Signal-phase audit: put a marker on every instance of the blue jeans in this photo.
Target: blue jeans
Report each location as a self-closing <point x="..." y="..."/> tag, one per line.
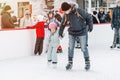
<point x="52" y="55"/>
<point x="116" y="35"/>
<point x="83" y="42"/>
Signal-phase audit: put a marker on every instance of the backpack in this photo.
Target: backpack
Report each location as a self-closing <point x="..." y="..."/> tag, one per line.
<point x="79" y="15"/>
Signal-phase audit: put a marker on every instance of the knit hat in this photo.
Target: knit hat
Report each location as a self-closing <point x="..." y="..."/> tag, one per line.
<point x="52" y="25"/>
<point x="7" y="7"/>
<point x="65" y="6"/>
<point x="117" y="1"/>
<point x="40" y="18"/>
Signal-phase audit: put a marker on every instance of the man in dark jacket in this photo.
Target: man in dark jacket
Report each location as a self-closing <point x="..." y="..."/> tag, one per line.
<point x="6" y="19"/>
<point x="116" y="25"/>
<point x="101" y="15"/>
<point x="78" y="20"/>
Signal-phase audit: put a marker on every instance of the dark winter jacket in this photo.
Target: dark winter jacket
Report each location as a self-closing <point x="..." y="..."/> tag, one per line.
<point x="94" y="20"/>
<point x="101" y="17"/>
<point x="58" y="17"/>
<point x="94" y="16"/>
<point x="7" y="21"/>
<point x="77" y="25"/>
<point x="107" y="17"/>
<point x="116" y="18"/>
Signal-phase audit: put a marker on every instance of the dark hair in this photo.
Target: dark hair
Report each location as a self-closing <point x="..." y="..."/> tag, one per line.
<point x="51" y="12"/>
<point x="94" y="12"/>
<point x="65" y="6"/>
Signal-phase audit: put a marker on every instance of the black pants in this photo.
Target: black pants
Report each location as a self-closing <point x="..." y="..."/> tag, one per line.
<point x="38" y="46"/>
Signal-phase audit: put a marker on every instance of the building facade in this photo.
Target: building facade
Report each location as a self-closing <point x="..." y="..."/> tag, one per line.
<point x="40" y="6"/>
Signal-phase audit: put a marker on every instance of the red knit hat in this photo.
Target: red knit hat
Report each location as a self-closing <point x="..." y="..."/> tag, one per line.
<point x="65" y="6"/>
<point x="52" y="25"/>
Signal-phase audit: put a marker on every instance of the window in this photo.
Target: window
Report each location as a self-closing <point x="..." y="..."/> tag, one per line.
<point x="21" y="8"/>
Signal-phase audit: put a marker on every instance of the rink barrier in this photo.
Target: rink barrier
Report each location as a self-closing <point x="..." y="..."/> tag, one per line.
<point x="16" y="43"/>
<point x="19" y="42"/>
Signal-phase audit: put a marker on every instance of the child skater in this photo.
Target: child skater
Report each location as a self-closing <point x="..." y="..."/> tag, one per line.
<point x="53" y="43"/>
<point x="40" y="33"/>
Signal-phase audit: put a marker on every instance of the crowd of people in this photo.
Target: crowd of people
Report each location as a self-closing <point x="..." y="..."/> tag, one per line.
<point x="79" y="21"/>
<point x="101" y="16"/>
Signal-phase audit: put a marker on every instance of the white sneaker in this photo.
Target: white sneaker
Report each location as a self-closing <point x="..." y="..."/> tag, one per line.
<point x="49" y="64"/>
<point x="54" y="66"/>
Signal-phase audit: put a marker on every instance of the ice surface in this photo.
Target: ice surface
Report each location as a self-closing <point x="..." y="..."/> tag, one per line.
<point x="104" y="61"/>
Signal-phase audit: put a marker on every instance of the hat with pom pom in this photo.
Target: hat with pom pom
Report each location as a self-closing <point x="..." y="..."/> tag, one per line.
<point x="40" y="18"/>
<point x="52" y="25"/>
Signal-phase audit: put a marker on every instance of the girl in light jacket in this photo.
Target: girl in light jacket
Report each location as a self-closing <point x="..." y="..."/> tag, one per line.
<point x="53" y="42"/>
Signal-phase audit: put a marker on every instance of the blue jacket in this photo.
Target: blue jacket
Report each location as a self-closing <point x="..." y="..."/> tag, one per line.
<point x="77" y="25"/>
<point x="53" y="39"/>
<point x="116" y="18"/>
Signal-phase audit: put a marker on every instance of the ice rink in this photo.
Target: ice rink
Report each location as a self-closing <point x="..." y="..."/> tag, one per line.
<point x="105" y="62"/>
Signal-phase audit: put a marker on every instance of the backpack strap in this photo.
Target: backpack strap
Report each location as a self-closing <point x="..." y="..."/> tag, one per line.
<point x="79" y="15"/>
<point x="65" y="20"/>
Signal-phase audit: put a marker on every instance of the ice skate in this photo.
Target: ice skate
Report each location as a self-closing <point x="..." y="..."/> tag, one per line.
<point x="78" y="46"/>
<point x="49" y="62"/>
<point x="87" y="65"/>
<point x="113" y="46"/>
<point x="54" y="65"/>
<point x="69" y="66"/>
<point x="118" y="46"/>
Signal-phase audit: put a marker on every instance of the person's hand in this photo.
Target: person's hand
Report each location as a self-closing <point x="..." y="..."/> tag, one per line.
<point x="112" y="28"/>
<point x="29" y="27"/>
<point x="61" y="36"/>
<point x="90" y="30"/>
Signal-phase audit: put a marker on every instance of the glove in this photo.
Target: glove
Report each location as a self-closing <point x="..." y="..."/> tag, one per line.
<point x="90" y="30"/>
<point x="112" y="28"/>
<point x="61" y="35"/>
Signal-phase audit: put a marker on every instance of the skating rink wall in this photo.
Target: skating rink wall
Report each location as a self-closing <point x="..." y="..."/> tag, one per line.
<point x="16" y="43"/>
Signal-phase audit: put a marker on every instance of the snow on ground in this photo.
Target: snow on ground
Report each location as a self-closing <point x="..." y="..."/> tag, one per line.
<point x="104" y="62"/>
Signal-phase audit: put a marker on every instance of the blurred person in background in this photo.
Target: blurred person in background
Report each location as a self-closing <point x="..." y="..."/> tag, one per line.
<point x="15" y="21"/>
<point x="26" y="20"/>
<point x="0" y="17"/>
<point x="40" y="33"/>
<point x="115" y="25"/>
<point x="6" y="19"/>
<point x="101" y="15"/>
<point x="95" y="17"/>
<point x="107" y="17"/>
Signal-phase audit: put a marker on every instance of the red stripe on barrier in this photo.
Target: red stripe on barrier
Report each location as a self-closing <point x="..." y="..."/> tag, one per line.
<point x="8" y="29"/>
